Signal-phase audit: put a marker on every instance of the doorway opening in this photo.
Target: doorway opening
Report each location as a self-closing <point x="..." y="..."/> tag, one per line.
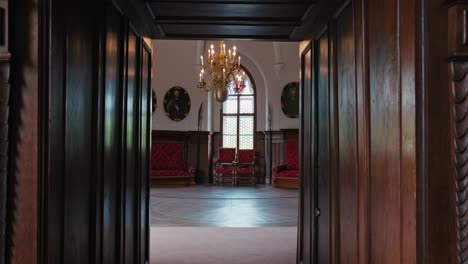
<point x="205" y="220"/>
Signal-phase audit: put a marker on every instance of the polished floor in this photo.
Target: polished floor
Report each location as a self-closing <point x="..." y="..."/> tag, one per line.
<point x="216" y="245"/>
<point x="224" y="206"/>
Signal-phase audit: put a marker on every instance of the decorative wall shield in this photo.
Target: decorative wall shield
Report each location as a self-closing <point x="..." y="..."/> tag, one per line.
<point x="177" y="103"/>
<point x="290" y="100"/>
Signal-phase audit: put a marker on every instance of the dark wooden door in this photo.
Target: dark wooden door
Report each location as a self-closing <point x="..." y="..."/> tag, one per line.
<point x="315" y="205"/>
<point x="358" y="136"/>
<point x="322" y="156"/>
<point x="96" y="105"/>
<point x="307" y="197"/>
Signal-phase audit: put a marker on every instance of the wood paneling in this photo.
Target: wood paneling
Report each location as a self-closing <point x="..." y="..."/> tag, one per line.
<point x="365" y="63"/>
<point x="131" y="145"/>
<point x="112" y="134"/>
<point x="228" y="19"/>
<point x="457" y="33"/>
<point x="4" y="111"/>
<point x="385" y="132"/>
<point x="306" y="222"/>
<point x="198" y="155"/>
<point x="143" y="197"/>
<point x="460" y="109"/>
<point x="22" y="207"/>
<point x="96" y="142"/>
<point x="436" y="140"/>
<point x="196" y="144"/>
<point x="347" y="137"/>
<point x="77" y="158"/>
<point x="322" y="172"/>
<point x="260" y="157"/>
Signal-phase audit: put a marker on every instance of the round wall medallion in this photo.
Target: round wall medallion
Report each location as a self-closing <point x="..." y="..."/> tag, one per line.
<point x="290" y="100"/>
<point x="177" y="103"/>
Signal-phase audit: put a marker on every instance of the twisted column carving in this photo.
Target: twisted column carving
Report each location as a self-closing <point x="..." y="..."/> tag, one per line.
<point x="459" y="70"/>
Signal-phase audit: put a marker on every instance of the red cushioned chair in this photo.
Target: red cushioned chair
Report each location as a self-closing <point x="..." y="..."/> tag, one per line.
<point x="168" y="165"/>
<point x="287" y="175"/>
<point x="245" y="169"/>
<point x="225" y="165"/>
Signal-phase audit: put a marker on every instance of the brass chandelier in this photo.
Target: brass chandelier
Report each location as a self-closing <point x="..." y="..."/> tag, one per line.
<point x="224" y="70"/>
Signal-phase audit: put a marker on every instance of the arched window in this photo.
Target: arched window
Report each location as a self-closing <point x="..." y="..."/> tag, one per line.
<point x="238" y="117"/>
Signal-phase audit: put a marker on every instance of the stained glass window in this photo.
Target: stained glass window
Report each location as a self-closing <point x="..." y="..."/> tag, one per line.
<point x="238" y="119"/>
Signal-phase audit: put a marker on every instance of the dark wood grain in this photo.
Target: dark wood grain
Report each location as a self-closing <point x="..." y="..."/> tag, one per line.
<point x="363" y="114"/>
<point x="112" y="135"/>
<point x="96" y="141"/>
<point x="459" y="71"/>
<point x="323" y="191"/>
<point x="131" y="148"/>
<point x="77" y="160"/>
<point x="23" y="180"/>
<point x="437" y="159"/>
<point x="408" y="182"/>
<point x="4" y="112"/>
<point x="372" y="70"/>
<point x="385" y="148"/>
<point x="145" y="150"/>
<point x="274" y="20"/>
<point x="347" y="136"/>
<point x="306" y="225"/>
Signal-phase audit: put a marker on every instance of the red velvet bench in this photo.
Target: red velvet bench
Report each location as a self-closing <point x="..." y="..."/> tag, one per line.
<point x="169" y="166"/>
<point x="287" y="175"/>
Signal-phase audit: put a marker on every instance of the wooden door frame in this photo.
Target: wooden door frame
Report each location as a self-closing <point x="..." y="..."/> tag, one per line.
<point x="4" y="109"/>
<point x="422" y="125"/>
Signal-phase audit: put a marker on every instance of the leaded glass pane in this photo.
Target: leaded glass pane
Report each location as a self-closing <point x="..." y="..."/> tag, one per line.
<point x="246" y="104"/>
<point x="229" y="141"/>
<point x="246" y="142"/>
<point x="246" y="125"/>
<point x="229" y="131"/>
<point x="230" y="106"/>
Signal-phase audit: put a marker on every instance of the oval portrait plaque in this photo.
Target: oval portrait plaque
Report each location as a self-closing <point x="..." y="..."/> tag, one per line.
<point x="177" y="103"/>
<point x="290" y="100"/>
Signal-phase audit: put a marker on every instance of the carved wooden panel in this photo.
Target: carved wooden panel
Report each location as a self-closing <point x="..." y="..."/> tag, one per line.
<point x="459" y="69"/>
<point x="458" y="27"/>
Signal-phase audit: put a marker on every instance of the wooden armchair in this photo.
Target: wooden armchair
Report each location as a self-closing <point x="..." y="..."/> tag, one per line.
<point x="224" y="167"/>
<point x="245" y="169"/>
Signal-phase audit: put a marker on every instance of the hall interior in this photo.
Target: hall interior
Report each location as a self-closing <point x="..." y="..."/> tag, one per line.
<point x="262" y="118"/>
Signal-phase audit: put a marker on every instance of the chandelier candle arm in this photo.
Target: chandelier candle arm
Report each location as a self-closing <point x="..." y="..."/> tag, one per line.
<point x="224" y="72"/>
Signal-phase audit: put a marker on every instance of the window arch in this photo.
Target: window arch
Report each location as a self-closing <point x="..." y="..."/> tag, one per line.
<point x="238" y="116"/>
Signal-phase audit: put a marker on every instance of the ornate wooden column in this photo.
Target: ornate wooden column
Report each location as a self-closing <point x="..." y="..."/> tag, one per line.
<point x="458" y="46"/>
<point x="4" y="109"/>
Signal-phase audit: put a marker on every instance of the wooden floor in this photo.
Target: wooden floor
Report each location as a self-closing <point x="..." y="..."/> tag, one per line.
<point x="224" y="206"/>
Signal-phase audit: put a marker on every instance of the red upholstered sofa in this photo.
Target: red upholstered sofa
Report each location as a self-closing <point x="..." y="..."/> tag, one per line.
<point x="287" y="175"/>
<point x="169" y="166"/>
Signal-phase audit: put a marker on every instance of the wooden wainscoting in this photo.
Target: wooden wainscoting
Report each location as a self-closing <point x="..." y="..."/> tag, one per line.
<point x="196" y="149"/>
<point x="95" y="137"/>
<point x="358" y="137"/>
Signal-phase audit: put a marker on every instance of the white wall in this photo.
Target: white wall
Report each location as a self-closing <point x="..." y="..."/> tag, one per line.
<point x="271" y="64"/>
